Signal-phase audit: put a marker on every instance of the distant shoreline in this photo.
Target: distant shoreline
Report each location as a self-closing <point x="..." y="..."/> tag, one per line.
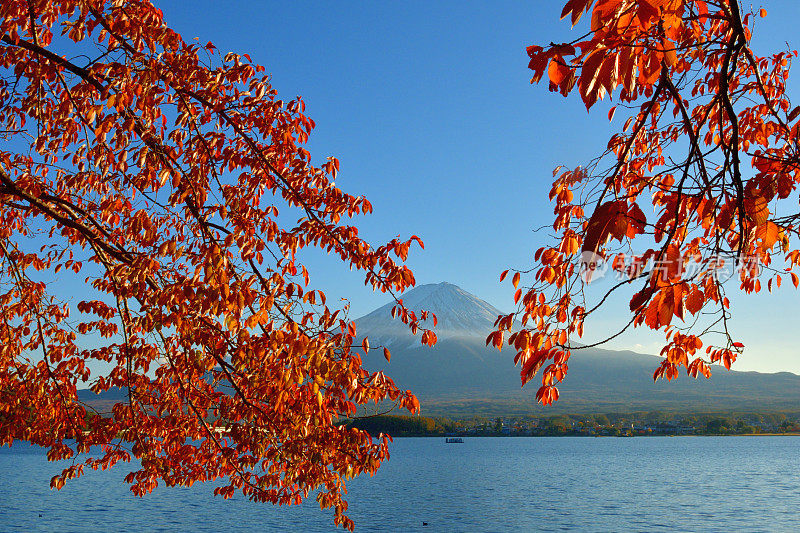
<point x="612" y="425"/>
<point x="794" y="434"/>
<point x="790" y="434"/>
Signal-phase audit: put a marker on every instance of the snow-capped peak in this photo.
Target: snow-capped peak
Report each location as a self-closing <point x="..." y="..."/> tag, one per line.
<point x="458" y="313"/>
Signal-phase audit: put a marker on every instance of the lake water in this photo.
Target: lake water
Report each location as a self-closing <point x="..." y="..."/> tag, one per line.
<point x="485" y="484"/>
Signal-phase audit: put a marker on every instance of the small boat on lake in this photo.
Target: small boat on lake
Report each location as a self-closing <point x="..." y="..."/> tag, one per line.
<point x="454" y="440"/>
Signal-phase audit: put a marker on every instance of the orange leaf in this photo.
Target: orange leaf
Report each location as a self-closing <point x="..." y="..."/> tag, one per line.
<point x="665" y="310"/>
<point x="695" y="301"/>
<point x="576" y="9"/>
<point x="558" y="70"/>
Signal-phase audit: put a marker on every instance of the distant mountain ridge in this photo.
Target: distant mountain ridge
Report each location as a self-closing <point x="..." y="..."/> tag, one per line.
<point x="461" y="376"/>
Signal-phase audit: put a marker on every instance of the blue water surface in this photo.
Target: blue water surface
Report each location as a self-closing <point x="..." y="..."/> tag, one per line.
<point x="485" y="484"/>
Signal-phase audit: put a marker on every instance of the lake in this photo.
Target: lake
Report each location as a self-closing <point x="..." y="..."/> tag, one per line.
<point x="484" y="484"/>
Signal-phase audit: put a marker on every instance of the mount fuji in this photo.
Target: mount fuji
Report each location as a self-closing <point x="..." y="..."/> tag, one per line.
<point x="458" y="314"/>
<point x="460" y="375"/>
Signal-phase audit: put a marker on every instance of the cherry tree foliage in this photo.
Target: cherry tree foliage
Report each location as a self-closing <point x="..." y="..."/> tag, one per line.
<point x="145" y="185"/>
<point x="709" y="150"/>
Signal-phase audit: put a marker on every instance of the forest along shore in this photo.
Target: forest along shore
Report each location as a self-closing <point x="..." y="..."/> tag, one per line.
<point x="598" y="425"/>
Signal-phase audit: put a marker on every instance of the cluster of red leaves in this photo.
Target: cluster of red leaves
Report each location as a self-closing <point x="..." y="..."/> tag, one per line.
<point x="704" y="106"/>
<point x="153" y="175"/>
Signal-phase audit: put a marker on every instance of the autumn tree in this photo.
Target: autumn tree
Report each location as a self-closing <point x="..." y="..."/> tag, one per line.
<point x="693" y="197"/>
<point x="148" y="189"/>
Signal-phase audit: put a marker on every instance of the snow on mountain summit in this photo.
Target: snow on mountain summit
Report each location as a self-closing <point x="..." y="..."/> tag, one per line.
<point x="458" y="313"/>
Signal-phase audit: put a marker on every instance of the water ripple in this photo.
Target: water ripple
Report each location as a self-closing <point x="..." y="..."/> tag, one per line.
<point x="486" y="484"/>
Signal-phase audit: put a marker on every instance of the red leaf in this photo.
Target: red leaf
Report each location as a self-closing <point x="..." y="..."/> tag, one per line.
<point x="609" y="220"/>
<point x="590" y="83"/>
<point x="639" y="299"/>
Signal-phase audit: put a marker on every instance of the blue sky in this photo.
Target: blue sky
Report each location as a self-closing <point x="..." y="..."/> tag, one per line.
<point x="428" y="106"/>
